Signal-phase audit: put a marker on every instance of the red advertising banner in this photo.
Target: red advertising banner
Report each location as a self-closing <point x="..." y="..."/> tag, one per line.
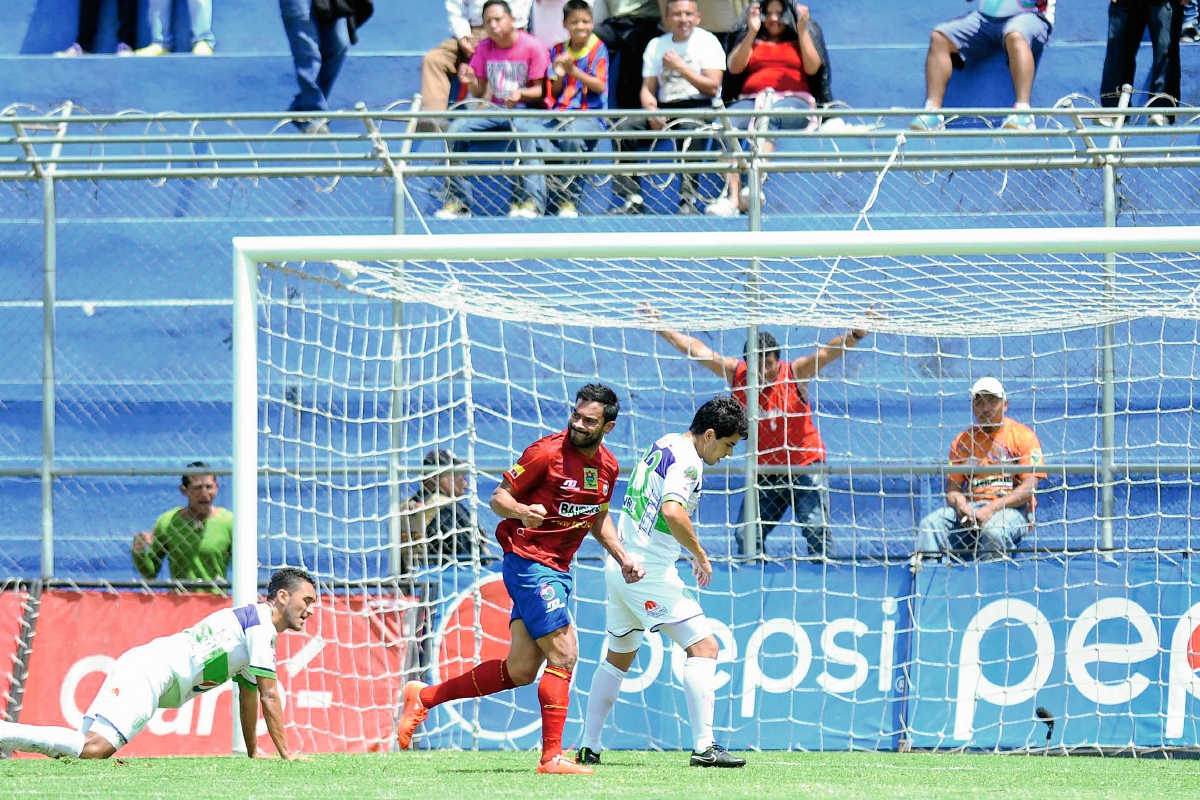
<point x="340" y="676"/>
<point x="11" y="611"/>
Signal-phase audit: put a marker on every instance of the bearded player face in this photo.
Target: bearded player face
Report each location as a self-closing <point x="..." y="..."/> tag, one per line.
<point x="586" y="427"/>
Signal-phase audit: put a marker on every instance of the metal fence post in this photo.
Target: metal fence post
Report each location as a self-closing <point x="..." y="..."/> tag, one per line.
<point x="1108" y="411"/>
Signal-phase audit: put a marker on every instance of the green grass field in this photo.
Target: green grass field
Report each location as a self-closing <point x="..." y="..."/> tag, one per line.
<point x="458" y="775"/>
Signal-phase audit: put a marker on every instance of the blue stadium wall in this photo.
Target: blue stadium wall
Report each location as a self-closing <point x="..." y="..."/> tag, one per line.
<point x="153" y="387"/>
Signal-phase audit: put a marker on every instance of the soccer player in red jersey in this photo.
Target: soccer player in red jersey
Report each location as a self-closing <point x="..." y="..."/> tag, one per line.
<point x="556" y="493"/>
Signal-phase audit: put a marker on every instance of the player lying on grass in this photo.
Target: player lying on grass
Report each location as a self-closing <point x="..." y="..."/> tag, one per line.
<point x="663" y="493"/>
<point x="237" y="643"/>
<point x="558" y="491"/>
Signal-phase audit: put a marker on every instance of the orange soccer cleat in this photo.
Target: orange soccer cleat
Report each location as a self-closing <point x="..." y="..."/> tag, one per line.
<point x="413" y="714"/>
<point x="563" y="766"/>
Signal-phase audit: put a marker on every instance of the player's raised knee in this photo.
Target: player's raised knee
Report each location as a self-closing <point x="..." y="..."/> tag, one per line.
<point x="705" y="648"/>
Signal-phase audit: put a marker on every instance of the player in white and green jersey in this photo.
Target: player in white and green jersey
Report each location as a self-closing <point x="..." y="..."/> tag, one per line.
<point x="233" y="643"/>
<point x="663" y="493"/>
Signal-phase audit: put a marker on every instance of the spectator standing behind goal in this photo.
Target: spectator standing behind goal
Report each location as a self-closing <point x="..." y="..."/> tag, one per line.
<point x="196" y="540"/>
<point x="508" y="70"/>
<point x="1020" y="28"/>
<point x="548" y="502"/>
<point x="161" y="17"/>
<point x="1127" y="21"/>
<point x="89" y="18"/>
<point x="680" y="69"/>
<point x="787" y="435"/>
<point x="436" y="527"/>
<point x="231" y="644"/>
<point x="319" y="33"/>
<point x="986" y="513"/>
<point x="443" y="62"/>
<point x="578" y="82"/>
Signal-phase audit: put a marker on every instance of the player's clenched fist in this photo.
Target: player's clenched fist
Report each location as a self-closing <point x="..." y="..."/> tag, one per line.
<point x="141" y="541"/>
<point x="531" y="516"/>
<point x="632" y="571"/>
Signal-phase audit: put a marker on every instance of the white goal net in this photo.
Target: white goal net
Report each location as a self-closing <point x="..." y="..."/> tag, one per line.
<point x="384" y="384"/>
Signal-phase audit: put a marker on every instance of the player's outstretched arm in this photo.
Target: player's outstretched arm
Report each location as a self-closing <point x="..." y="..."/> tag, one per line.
<point x="248" y="711"/>
<point x="606" y="534"/>
<point x="679" y="523"/>
<point x="272" y="709"/>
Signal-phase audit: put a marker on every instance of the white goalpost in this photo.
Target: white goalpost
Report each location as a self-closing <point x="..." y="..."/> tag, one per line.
<point x="383" y="383"/>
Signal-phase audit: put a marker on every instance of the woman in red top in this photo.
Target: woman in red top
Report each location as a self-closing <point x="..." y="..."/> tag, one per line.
<point x="787" y="433"/>
<point x="776" y="55"/>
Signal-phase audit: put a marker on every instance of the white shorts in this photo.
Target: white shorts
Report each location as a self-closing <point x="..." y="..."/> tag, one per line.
<point x="129" y="695"/>
<point x="658" y="600"/>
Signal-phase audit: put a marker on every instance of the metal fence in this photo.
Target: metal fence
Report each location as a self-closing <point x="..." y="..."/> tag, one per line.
<point x="115" y="232"/>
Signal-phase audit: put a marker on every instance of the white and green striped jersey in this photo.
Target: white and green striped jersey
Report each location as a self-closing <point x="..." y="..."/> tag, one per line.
<point x="669" y="470"/>
<point x="233" y="643"/>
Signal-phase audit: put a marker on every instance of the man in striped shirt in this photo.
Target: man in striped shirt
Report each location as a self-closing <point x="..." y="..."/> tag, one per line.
<point x="578" y="80"/>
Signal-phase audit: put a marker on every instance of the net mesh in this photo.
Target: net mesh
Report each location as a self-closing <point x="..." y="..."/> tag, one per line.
<point x="369" y="370"/>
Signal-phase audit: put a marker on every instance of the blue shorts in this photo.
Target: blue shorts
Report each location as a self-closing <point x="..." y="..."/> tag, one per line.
<point x="539" y="594"/>
<point x="979" y="36"/>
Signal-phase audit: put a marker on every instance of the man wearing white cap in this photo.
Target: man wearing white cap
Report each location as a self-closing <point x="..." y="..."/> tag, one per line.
<point x="985" y="513"/>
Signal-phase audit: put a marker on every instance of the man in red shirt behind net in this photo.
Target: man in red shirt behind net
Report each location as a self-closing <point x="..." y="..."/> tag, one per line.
<point x="548" y="502"/>
<point x="787" y="433"/>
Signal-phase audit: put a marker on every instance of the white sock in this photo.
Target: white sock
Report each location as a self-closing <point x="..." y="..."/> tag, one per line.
<point x="48" y="740"/>
<point x="606" y="685"/>
<point x="1021" y="106"/>
<point x="699" y="675"/>
<point x="931" y="106"/>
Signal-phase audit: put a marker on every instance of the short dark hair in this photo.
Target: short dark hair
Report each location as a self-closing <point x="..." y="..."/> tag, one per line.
<point x="767" y="345"/>
<point x="289" y="579"/>
<point x="502" y="3"/>
<point x="187" y="476"/>
<point x="724" y="416"/>
<point x="599" y="393"/>
<point x="676" y="1"/>
<point x="571" y="6"/>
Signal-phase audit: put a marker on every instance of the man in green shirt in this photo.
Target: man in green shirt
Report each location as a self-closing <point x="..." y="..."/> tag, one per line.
<point x="197" y="538"/>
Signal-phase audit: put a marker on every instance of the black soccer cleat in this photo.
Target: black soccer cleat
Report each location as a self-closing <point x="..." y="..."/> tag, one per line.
<point x="587" y="756"/>
<point x="716" y="756"/>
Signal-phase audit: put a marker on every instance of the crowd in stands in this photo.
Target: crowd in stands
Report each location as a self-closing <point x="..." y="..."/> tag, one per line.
<point x="668" y="54"/>
<point x="748" y="54"/>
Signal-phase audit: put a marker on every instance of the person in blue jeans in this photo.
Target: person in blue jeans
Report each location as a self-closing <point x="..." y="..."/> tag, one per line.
<point x="89" y="17"/>
<point x="1191" y="22"/>
<point x="578" y="77"/>
<point x="986" y="514"/>
<point x="318" y="51"/>
<point x="507" y="71"/>
<point x="160" y="14"/>
<point x="1127" y="20"/>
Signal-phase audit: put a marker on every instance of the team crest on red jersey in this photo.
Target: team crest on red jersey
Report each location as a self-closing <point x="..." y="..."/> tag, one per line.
<point x="591" y="478"/>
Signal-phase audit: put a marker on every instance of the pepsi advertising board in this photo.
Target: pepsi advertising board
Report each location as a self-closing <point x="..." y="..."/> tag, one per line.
<point x="829" y="657"/>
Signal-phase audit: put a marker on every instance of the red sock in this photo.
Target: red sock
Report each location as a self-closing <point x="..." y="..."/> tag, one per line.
<point x="488" y="678"/>
<point x="554" y="692"/>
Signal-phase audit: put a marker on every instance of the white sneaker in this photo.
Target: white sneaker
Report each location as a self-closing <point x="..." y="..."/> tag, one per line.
<point x="1157" y="120"/>
<point x="525" y="210"/>
<point x="568" y="211"/>
<point x="722" y="207"/>
<point x="452" y="210"/>
<point x="744" y="196"/>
